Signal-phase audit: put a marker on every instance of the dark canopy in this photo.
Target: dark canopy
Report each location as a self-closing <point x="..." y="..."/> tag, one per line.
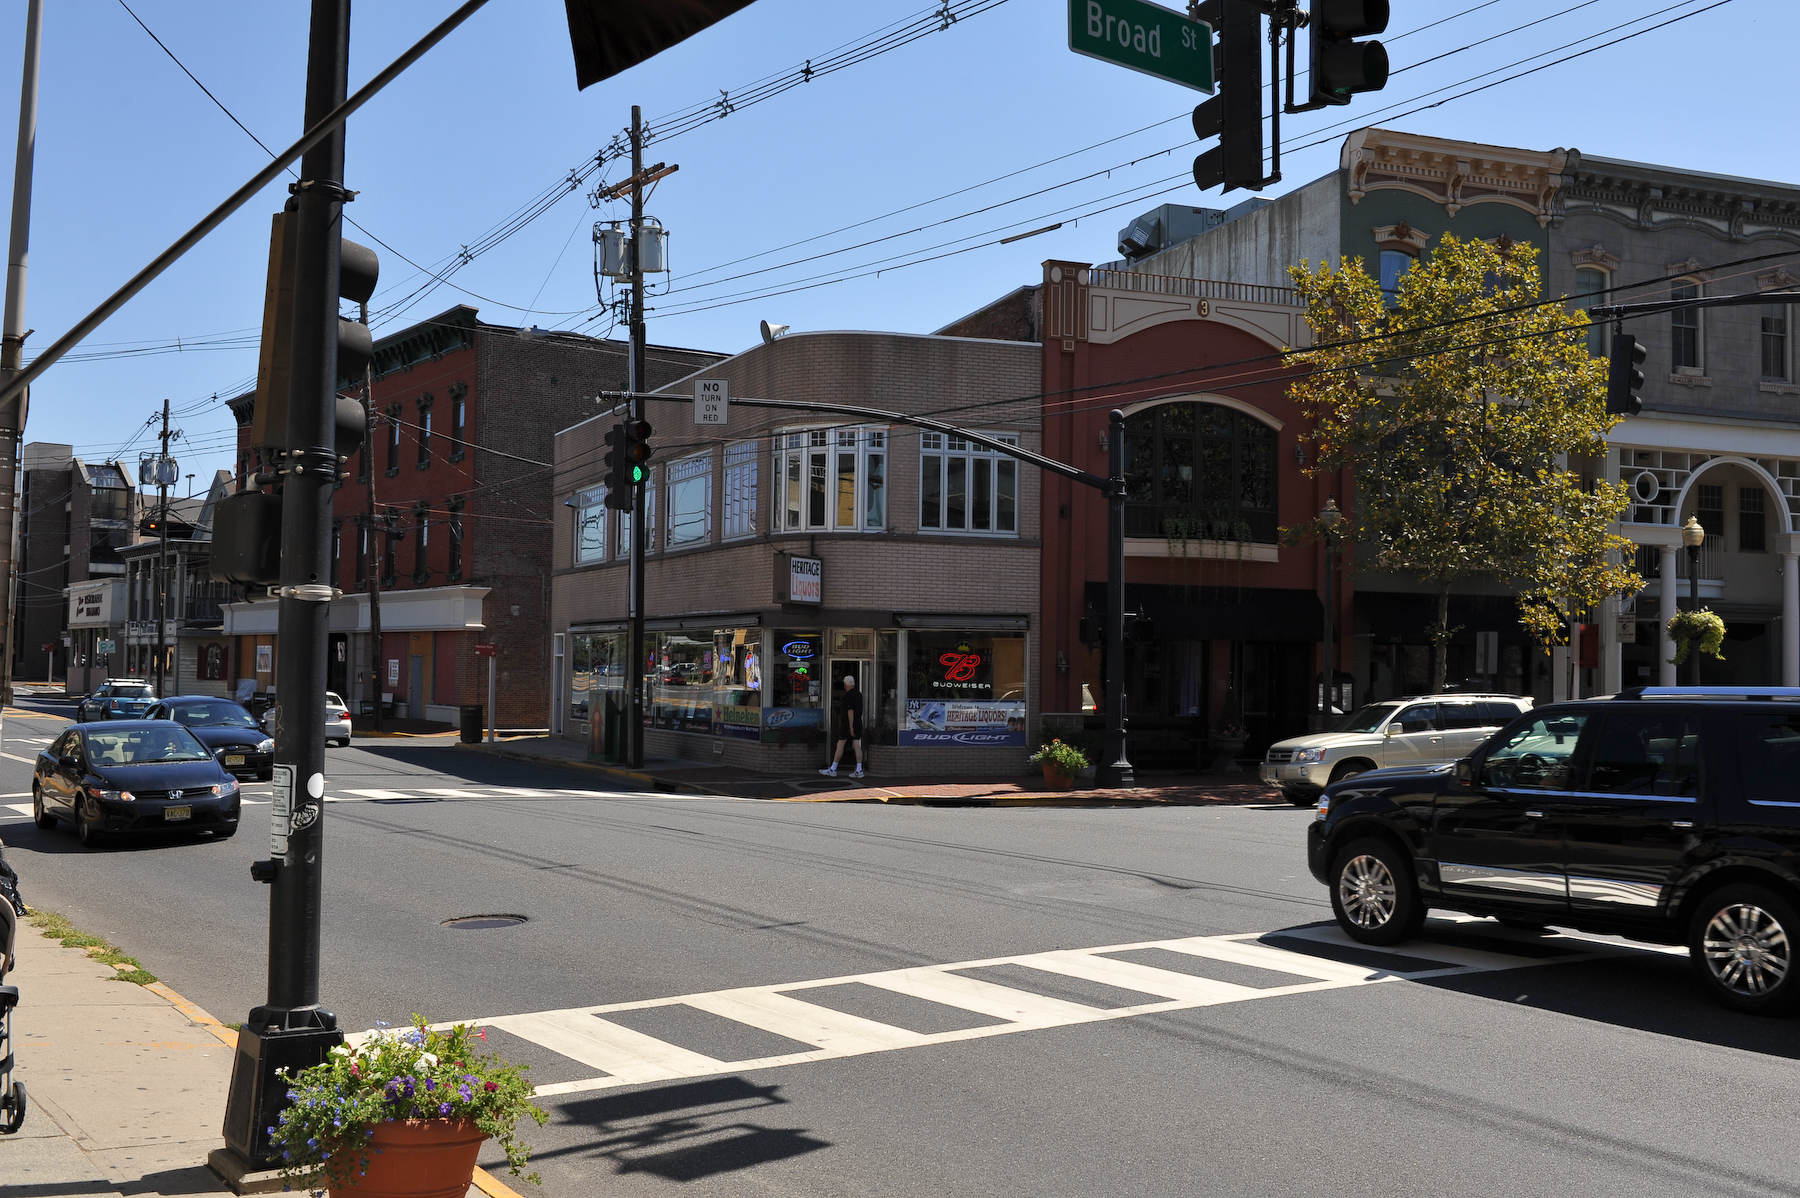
<point x="609" y="36"/>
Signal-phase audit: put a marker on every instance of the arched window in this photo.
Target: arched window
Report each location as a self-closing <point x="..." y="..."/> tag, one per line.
<point x="1590" y="289"/>
<point x="1199" y="471"/>
<point x="1394" y="263"/>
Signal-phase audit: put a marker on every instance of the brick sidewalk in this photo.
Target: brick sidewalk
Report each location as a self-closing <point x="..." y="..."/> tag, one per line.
<point x="679" y="776"/>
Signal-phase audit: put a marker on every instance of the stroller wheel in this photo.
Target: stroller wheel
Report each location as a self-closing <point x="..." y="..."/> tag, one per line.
<point x="12" y="1110"/>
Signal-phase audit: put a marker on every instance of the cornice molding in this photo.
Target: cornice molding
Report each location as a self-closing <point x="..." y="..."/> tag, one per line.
<point x="1596" y="255"/>
<point x="1402" y="237"/>
<point x="1454" y="174"/>
<point x="1649" y="197"/>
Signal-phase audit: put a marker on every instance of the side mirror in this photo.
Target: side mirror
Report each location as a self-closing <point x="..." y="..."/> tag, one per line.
<point x="1465" y="771"/>
<point x="1392" y="729"/>
<point x="68" y="761"/>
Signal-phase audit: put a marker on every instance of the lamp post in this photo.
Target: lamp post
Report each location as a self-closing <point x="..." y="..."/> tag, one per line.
<point x="1329" y="519"/>
<point x="1693" y="536"/>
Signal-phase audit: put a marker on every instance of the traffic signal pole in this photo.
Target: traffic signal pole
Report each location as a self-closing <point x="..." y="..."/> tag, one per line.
<point x="162" y="558"/>
<point x="634" y="383"/>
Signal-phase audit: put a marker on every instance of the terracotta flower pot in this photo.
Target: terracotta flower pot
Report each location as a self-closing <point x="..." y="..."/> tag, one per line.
<point x="1056" y="779"/>
<point x="417" y="1158"/>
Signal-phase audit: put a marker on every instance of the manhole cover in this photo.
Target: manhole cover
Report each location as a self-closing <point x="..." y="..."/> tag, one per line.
<point x="478" y="923"/>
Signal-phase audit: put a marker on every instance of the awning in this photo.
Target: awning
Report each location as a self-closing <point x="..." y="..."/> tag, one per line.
<point x="1408" y="616"/>
<point x="1221" y="613"/>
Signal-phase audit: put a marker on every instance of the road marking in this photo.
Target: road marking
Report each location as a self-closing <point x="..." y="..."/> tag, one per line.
<point x="626" y="1057"/>
<point x="16" y="757"/>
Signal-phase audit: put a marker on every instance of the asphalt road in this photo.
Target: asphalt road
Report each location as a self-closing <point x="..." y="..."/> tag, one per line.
<point x="1225" y="1042"/>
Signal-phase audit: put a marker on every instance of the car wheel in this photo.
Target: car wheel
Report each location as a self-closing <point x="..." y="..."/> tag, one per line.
<point x="1741" y="943"/>
<point x="1374" y="895"/>
<point x="1300" y="798"/>
<point x="39" y="816"/>
<point x="1348" y="769"/>
<point x="85" y="831"/>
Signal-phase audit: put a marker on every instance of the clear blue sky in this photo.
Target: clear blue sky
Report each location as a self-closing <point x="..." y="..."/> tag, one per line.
<point x="130" y="153"/>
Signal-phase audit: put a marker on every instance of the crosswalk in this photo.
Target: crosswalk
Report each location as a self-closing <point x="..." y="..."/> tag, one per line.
<point x="823" y="1019"/>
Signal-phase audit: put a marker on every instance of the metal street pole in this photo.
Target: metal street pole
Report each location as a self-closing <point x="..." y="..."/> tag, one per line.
<point x="1327" y="670"/>
<point x="634" y="383"/>
<point x="292" y="1029"/>
<point x="162" y="556"/>
<point x="377" y="661"/>
<point x="1114" y="770"/>
<point x="1693" y="605"/>
<point x="12" y="334"/>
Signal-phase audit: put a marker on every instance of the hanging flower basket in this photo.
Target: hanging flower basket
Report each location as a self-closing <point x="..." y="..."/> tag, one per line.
<point x="1702" y="630"/>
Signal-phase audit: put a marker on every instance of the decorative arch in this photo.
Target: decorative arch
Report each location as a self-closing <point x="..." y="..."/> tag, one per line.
<point x="1777" y="496"/>
<point x="1223" y="401"/>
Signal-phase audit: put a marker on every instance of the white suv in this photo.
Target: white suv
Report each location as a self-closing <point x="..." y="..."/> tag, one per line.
<point x="1420" y="731"/>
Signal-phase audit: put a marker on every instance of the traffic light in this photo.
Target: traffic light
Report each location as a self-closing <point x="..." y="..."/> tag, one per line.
<point x="638" y="451"/>
<point x="1341" y="65"/>
<point x="357" y="272"/>
<point x="618" y="470"/>
<point x="1234" y="116"/>
<point x="1625" y="375"/>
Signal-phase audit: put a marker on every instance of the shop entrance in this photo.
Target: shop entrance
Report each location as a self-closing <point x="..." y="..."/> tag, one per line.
<point x="863" y="671"/>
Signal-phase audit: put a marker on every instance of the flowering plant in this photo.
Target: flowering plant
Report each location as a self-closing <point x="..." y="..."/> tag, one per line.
<point x="1060" y="755"/>
<point x="1233" y="732"/>
<point x="1702" y="630"/>
<point x="420" y="1073"/>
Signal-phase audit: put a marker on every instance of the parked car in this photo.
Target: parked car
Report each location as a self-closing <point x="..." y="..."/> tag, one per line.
<point x="132" y="776"/>
<point x="1664" y="814"/>
<point x="227" y="728"/>
<point x="116" y="699"/>
<point x="1412" y="732"/>
<point x="337" y="721"/>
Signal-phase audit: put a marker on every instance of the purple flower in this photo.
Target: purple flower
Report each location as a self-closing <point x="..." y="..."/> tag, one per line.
<point x="443" y="1108"/>
<point x="431" y="1083"/>
<point x="465" y="1092"/>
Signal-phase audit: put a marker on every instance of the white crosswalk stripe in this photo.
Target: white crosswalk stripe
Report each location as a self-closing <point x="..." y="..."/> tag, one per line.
<point x="623" y="1056"/>
<point x="417" y="794"/>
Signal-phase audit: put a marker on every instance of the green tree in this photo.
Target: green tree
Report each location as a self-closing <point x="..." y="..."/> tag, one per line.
<point x="1471" y="423"/>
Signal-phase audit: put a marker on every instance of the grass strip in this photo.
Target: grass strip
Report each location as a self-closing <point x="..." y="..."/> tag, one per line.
<point x="58" y="927"/>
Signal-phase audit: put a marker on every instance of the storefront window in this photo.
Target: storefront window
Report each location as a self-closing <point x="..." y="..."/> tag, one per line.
<point x="681" y="681"/>
<point x="596" y="663"/>
<point x="965" y="688"/>
<point x="797" y="712"/>
<point x="737" y="683"/>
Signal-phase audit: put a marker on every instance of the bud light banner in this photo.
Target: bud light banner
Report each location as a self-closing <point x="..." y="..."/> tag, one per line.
<point x="935" y="722"/>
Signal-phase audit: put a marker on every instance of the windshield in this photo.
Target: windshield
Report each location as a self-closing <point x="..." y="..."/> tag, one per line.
<point x="212" y="715"/>
<point x="1366" y="719"/>
<point x="143" y="746"/>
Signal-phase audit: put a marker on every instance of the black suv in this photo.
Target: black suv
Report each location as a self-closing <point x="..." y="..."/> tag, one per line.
<point x="1665" y="814"/>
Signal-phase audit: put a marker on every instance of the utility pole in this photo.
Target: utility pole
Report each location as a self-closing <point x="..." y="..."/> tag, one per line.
<point x="634" y="383"/>
<point x="376" y="662"/>
<point x="12" y="337"/>
<point x="162" y="555"/>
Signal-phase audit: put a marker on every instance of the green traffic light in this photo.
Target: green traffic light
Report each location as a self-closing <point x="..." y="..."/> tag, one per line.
<point x="637" y="474"/>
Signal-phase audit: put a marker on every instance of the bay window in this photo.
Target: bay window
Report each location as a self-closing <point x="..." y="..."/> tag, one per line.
<point x="590" y="525"/>
<point x="740" y="489"/>
<point x="690" y="500"/>
<point x="965" y="488"/>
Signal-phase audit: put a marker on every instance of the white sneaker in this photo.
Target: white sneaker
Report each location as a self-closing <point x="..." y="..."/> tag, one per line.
<point x="857" y="774"/>
<point x="830" y="772"/>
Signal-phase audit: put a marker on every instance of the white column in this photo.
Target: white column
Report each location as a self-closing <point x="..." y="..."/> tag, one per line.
<point x="1612" y="664"/>
<point x="1790" y="618"/>
<point x="1669" y="584"/>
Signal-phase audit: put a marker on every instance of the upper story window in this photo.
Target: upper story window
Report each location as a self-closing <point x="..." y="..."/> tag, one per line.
<point x="740" y="489"/>
<point x="1709" y="508"/>
<point x="966" y="488"/>
<point x="1685" y="345"/>
<point x="830" y="480"/>
<point x="421" y="544"/>
<point x="459" y="421"/>
<point x="424" y="433"/>
<point x="1394" y="264"/>
<point x="454" y="567"/>
<point x="622" y="548"/>
<point x="590" y="525"/>
<point x="1199" y="471"/>
<point x="1775" y="343"/>
<point x="362" y="554"/>
<point x="1752" y="536"/>
<point x="1591" y="285"/>
<point x="690" y="500"/>
<point x="393" y="439"/>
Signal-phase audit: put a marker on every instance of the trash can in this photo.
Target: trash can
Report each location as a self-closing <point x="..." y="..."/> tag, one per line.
<point x="471" y="723"/>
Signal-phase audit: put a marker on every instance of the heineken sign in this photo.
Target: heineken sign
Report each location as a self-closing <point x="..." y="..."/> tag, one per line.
<point x="1144" y="37"/>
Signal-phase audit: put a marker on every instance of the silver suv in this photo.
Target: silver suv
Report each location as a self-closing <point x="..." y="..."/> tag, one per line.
<point x="1413" y="733"/>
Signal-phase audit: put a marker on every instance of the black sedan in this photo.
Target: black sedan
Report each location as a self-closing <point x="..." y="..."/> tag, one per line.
<point x="227" y="728"/>
<point x="132" y="776"/>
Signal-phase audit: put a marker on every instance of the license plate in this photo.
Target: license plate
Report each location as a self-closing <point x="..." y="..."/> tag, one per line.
<point x="234" y="759"/>
<point x="178" y="813"/>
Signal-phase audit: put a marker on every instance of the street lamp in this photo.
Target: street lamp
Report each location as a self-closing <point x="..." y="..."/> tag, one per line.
<point x="1329" y="519"/>
<point x="1693" y="536"/>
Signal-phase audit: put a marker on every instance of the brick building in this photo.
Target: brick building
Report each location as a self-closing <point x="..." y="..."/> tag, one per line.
<point x="74" y="517"/>
<point x="457" y="474"/>
<point x="928" y="552"/>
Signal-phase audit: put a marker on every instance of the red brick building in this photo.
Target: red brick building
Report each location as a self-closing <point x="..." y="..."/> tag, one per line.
<point x="457" y="472"/>
<point x="1214" y="458"/>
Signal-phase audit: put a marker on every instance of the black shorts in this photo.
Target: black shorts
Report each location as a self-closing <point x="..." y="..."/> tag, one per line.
<point x="843" y="729"/>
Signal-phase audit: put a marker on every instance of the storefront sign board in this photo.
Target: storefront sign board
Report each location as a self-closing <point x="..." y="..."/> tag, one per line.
<point x="799" y="579"/>
<point x="938" y="722"/>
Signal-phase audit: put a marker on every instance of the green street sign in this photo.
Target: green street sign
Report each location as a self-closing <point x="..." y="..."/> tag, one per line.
<point x="1144" y="37"/>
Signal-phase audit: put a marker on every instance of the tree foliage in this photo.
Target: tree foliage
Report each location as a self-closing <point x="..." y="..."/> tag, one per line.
<point x="1465" y="417"/>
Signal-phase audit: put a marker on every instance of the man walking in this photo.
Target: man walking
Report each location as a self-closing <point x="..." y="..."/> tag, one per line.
<point x="850" y="727"/>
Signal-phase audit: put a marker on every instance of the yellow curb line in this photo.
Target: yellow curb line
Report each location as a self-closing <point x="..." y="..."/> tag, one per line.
<point x="488" y="1184"/>
<point x="20" y="713"/>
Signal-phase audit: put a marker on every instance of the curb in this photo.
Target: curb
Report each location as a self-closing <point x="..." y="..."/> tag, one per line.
<point x="635" y="778"/>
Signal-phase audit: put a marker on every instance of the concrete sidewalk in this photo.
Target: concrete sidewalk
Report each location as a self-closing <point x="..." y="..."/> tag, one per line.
<point x="127" y="1084"/>
<point x="680" y="776"/>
